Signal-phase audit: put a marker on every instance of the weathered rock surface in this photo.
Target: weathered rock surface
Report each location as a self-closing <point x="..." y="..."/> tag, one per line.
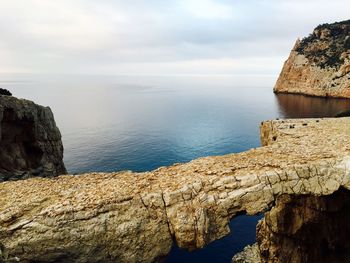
<point x="30" y="142"/>
<point x="319" y="65"/>
<point x="306" y="229"/>
<point x="134" y="217"/>
<point x="250" y="254"/>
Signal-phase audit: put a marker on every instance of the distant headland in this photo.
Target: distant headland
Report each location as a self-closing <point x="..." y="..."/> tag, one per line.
<point x="319" y="65"/>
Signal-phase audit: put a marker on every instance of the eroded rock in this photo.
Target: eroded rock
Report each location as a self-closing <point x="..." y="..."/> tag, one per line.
<point x="306" y="229"/>
<point x="30" y="142"/>
<point x="134" y="217"/>
<point x="250" y="254"/>
<point x="319" y="65"/>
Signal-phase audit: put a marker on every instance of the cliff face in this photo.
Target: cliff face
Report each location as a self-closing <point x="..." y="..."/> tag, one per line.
<point x="319" y="65"/>
<point x="306" y="229"/>
<point x="136" y="217"/>
<point x="30" y="142"/>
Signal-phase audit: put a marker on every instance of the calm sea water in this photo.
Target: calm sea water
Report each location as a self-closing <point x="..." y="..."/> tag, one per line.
<point x="140" y="123"/>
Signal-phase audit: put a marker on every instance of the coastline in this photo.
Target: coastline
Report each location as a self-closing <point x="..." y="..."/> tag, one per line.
<point x="191" y="203"/>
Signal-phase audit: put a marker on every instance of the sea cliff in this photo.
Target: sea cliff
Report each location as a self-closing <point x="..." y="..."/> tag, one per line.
<point x="319" y="65"/>
<point x="30" y="141"/>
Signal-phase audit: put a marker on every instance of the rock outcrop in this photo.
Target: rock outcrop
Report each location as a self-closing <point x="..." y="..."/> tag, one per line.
<point x="250" y="254"/>
<point x="30" y="142"/>
<point x="319" y="65"/>
<point x="135" y="217"/>
<point x="306" y="229"/>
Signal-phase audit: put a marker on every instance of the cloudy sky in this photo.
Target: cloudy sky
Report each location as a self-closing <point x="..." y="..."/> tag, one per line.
<point x="156" y="36"/>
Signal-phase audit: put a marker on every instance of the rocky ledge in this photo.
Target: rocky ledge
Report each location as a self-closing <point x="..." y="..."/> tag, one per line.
<point x="30" y="142"/>
<point x="319" y="65"/>
<point x="136" y="217"/>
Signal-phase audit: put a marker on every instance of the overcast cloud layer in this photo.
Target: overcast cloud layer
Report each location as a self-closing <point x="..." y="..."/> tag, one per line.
<point x="157" y="36"/>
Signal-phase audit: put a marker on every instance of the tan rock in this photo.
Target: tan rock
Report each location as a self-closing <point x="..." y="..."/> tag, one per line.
<point x="319" y="65"/>
<point x="250" y="254"/>
<point x="134" y="217"/>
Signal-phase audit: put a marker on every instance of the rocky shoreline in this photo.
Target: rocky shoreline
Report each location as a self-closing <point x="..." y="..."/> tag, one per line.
<point x="300" y="179"/>
<point x="136" y="217"/>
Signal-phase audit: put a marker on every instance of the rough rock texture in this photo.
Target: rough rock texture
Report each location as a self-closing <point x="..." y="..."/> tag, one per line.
<point x="134" y="217"/>
<point x="319" y="65"/>
<point x="250" y="254"/>
<point x="30" y="142"/>
<point x="306" y="229"/>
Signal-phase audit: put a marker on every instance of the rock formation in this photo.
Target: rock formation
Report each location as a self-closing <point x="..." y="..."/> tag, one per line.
<point x="5" y="92"/>
<point x="306" y="229"/>
<point x="319" y="65"/>
<point x="30" y="142"/>
<point x="250" y="254"/>
<point x="136" y="217"/>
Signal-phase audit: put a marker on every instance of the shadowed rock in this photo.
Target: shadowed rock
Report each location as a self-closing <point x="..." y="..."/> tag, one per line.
<point x="306" y="228"/>
<point x="345" y="113"/>
<point x="5" y="92"/>
<point x="30" y="142"/>
<point x="135" y="217"/>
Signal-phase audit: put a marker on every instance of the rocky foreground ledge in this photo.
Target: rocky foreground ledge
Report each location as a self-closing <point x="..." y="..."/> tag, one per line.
<point x="136" y="217"/>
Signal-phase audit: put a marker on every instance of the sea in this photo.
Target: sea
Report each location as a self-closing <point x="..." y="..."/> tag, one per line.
<point x="141" y="122"/>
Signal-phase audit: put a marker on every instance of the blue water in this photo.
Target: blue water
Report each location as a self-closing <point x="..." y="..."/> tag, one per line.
<point x="139" y="123"/>
<point x="242" y="233"/>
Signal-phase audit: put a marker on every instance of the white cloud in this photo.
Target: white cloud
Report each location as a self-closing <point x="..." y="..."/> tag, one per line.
<point x="58" y="24"/>
<point x="207" y="9"/>
<point x="156" y="36"/>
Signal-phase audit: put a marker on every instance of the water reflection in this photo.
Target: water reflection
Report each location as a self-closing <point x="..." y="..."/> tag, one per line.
<point x="300" y="106"/>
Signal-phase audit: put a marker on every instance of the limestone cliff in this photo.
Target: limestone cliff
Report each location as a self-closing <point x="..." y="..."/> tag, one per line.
<point x="136" y="217"/>
<point x="30" y="142"/>
<point x="319" y="65"/>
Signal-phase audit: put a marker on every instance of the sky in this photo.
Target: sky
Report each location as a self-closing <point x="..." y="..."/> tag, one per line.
<point x="157" y="37"/>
